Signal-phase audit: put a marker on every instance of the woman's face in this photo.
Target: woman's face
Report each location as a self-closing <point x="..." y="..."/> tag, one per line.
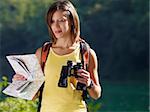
<point x="60" y="24"/>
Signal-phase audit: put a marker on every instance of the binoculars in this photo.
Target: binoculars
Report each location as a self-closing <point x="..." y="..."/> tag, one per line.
<point x="68" y="71"/>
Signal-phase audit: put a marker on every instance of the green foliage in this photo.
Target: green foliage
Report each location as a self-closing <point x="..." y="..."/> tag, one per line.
<point x="94" y="106"/>
<point x="118" y="28"/>
<point x="17" y="105"/>
<point x="3" y="84"/>
<point x="118" y="31"/>
<point x="16" y="12"/>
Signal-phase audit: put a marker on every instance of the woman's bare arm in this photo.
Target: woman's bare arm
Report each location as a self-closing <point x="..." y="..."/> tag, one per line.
<point x="95" y="91"/>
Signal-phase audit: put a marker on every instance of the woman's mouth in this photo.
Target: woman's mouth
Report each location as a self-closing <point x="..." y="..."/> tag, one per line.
<point x="57" y="32"/>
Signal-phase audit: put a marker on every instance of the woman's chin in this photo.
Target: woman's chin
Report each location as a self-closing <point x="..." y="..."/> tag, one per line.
<point x="58" y="36"/>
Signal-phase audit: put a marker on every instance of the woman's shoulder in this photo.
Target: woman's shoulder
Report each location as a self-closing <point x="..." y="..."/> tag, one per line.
<point x="39" y="50"/>
<point x="93" y="61"/>
<point x="38" y="53"/>
<point x="93" y="54"/>
<point x="92" y="51"/>
<point x="44" y="47"/>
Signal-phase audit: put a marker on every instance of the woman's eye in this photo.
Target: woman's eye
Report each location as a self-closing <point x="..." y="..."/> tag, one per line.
<point x="52" y="22"/>
<point x="58" y="21"/>
<point x="61" y="20"/>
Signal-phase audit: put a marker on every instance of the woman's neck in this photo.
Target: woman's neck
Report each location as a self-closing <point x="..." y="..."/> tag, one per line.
<point x="64" y="43"/>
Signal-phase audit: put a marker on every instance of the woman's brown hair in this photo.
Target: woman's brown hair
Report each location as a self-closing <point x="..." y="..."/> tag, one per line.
<point x="64" y="5"/>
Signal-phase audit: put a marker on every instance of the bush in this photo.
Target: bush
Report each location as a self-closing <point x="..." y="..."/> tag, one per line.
<point x="17" y="105"/>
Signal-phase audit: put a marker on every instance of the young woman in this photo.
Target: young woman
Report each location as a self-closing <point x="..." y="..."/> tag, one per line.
<point x="64" y="28"/>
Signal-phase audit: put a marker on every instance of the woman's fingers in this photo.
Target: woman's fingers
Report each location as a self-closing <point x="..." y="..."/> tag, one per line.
<point x="18" y="77"/>
<point x="84" y="77"/>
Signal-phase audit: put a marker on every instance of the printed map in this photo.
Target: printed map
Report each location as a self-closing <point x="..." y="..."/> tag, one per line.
<point x="28" y="66"/>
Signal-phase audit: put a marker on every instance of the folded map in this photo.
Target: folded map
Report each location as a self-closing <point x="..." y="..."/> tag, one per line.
<point x="28" y="66"/>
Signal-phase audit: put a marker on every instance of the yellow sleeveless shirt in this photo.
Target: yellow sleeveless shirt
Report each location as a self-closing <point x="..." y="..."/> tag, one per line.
<point x="58" y="99"/>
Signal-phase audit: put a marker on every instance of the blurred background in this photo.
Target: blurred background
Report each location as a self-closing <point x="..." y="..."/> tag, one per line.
<point x="118" y="30"/>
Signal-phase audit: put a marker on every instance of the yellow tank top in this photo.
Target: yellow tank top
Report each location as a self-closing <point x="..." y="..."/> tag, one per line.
<point x="58" y="99"/>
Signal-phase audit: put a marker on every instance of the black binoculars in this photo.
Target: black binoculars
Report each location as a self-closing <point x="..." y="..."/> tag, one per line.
<point x="68" y="71"/>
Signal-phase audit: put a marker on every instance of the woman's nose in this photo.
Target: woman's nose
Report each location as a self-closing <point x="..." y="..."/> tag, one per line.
<point x="57" y="24"/>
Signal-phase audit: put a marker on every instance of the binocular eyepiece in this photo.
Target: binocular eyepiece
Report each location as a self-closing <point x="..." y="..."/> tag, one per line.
<point x="68" y="71"/>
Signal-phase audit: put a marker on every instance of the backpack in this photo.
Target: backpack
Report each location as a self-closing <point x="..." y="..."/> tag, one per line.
<point x="84" y="53"/>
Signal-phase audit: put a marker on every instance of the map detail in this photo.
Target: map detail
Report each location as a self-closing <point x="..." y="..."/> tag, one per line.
<point x="28" y="66"/>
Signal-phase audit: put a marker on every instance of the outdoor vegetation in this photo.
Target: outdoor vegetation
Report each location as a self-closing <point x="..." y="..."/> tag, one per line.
<point x="118" y="30"/>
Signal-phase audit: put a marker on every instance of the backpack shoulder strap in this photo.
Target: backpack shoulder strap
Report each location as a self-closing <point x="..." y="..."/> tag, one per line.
<point x="44" y="53"/>
<point x="85" y="53"/>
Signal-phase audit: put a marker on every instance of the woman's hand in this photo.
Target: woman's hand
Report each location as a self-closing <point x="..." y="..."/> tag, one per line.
<point x="84" y="77"/>
<point x="90" y="77"/>
<point x="18" y="77"/>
